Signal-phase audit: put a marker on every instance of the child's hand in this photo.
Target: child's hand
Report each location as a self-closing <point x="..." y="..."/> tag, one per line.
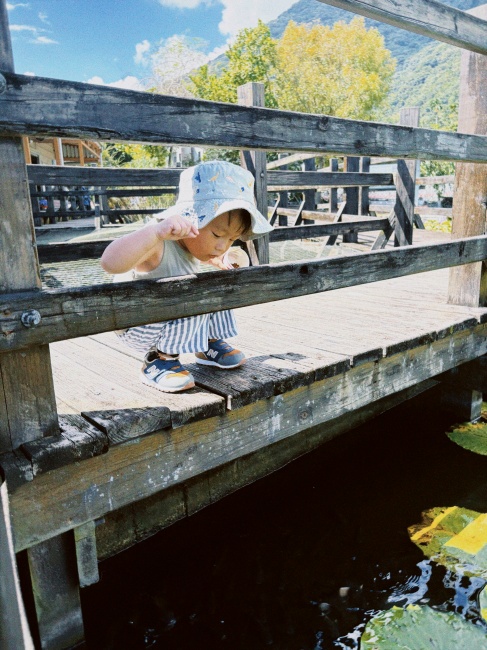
<point x="220" y="263"/>
<point x="176" y="227"/>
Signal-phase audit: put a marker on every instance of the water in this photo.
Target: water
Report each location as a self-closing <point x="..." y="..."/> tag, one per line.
<point x="303" y="558"/>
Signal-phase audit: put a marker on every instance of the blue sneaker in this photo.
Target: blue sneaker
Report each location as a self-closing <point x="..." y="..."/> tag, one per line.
<point x="221" y="355"/>
<point x="165" y="374"/>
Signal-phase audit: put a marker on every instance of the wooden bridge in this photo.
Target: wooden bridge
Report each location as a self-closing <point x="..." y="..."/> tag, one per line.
<point x="92" y="460"/>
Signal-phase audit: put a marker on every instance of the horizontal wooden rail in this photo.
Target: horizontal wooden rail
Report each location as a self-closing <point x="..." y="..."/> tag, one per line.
<point x="325" y="230"/>
<point x="67" y="251"/>
<point x="81" y="311"/>
<point x="431" y="18"/>
<point x="103" y="176"/>
<point x="283" y="180"/>
<point x="50" y="107"/>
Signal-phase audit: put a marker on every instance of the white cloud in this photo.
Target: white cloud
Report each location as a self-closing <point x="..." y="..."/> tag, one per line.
<point x="181" y="4"/>
<point x="43" y="40"/>
<point x="238" y="14"/>
<point x="128" y="83"/>
<point x="30" y="74"/>
<point x="11" y="7"/>
<point x="23" y="28"/>
<point x="43" y="18"/>
<point x="141" y="50"/>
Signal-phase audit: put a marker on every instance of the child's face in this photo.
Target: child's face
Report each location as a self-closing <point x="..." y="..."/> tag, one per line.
<point x="217" y="237"/>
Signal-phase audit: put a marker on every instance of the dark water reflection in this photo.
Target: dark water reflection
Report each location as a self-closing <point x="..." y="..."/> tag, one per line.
<point x="301" y="559"/>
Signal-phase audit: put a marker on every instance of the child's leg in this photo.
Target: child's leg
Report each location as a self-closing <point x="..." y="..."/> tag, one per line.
<point x="219" y="353"/>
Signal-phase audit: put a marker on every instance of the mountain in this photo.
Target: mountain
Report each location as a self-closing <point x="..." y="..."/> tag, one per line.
<point x="401" y="43"/>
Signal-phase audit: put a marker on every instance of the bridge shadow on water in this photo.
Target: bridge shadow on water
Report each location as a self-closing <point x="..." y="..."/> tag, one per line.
<point x="302" y="559"/>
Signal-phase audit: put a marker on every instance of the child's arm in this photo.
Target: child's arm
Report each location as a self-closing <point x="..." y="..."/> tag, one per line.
<point x="142" y="250"/>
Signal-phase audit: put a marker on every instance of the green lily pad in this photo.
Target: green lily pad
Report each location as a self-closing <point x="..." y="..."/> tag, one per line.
<point x="483" y="603"/>
<point x="454" y="537"/>
<point x="471" y="436"/>
<point x="421" y="628"/>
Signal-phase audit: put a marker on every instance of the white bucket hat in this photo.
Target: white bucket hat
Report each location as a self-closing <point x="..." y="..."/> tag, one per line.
<point x="212" y="188"/>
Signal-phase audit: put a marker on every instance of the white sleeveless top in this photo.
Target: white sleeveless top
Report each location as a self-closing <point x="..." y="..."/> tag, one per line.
<point x="175" y="261"/>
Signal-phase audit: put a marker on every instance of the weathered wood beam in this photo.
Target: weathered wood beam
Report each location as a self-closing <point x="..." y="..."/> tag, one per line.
<point x="324" y="230"/>
<point x="283" y="180"/>
<point x="144" y="518"/>
<point x="103" y="176"/>
<point x="433" y="19"/>
<point x="471" y="375"/>
<point x="70" y="496"/>
<point x="80" y="311"/>
<point x="42" y="106"/>
<point x="295" y="157"/>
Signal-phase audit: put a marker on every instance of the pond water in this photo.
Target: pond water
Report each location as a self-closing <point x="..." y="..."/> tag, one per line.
<point x="303" y="558"/>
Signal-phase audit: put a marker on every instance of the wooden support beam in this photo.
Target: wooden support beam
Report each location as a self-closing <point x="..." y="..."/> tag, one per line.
<point x="144" y="518"/>
<point x="364" y="191"/>
<point x="324" y="230"/>
<point x="433" y="19"/>
<point x="36" y="105"/>
<point x="405" y="187"/>
<point x="471" y="375"/>
<point x="14" y="629"/>
<point x="56" y="592"/>
<point x="86" y="554"/>
<point x="252" y="94"/>
<point x="309" y="194"/>
<point x="333" y="190"/>
<point x="468" y="286"/>
<point x="352" y="164"/>
<point x="80" y="311"/>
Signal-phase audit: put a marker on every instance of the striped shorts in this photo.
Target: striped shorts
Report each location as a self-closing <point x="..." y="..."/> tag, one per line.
<point x="181" y="335"/>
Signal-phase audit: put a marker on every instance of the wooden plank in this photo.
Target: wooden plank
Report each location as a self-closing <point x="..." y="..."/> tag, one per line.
<point x="128" y="472"/>
<point x="323" y="230"/>
<point x="468" y="286"/>
<point x="41" y="106"/>
<point x="137" y="521"/>
<point x="119" y="404"/>
<point x="56" y="592"/>
<point x="86" y="554"/>
<point x="103" y="176"/>
<point x="405" y="187"/>
<point x="72" y="312"/>
<point x="433" y="19"/>
<point x="14" y="629"/>
<point x="471" y="375"/>
<point x="287" y="160"/>
<point x="292" y="180"/>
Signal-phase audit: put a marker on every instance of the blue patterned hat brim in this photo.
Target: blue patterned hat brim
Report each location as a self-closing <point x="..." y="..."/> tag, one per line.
<point x="203" y="212"/>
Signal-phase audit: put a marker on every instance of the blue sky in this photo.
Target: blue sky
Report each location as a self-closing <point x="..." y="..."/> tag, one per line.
<point x="111" y="41"/>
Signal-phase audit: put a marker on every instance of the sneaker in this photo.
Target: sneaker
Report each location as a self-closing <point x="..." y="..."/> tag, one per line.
<point x="165" y="374"/>
<point x="221" y="355"/>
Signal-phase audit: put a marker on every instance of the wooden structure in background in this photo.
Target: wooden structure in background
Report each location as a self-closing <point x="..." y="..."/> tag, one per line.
<point x="66" y="473"/>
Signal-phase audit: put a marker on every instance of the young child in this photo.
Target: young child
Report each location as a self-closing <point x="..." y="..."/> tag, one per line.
<point x="215" y="206"/>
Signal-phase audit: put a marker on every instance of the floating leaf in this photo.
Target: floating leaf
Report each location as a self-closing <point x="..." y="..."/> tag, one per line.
<point x="418" y="628"/>
<point x="471" y="436"/>
<point x="455" y="537"/>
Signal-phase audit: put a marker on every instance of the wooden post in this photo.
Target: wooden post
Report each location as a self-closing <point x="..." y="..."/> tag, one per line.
<point x="14" y="630"/>
<point x="468" y="284"/>
<point x="405" y="187"/>
<point x="27" y="400"/>
<point x="333" y="190"/>
<point x="252" y="94"/>
<point x="351" y="164"/>
<point x="283" y="197"/>
<point x="364" y="191"/>
<point x="309" y="195"/>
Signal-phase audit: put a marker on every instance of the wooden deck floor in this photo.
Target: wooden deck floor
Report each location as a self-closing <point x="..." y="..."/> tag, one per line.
<point x="289" y="344"/>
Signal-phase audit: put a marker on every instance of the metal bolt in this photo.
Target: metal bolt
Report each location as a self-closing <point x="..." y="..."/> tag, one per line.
<point x="3" y="84"/>
<point x="30" y="318"/>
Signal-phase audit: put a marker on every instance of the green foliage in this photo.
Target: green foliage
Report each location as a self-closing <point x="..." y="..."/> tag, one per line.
<point x="251" y="58"/>
<point x="134" y="155"/>
<point x="419" y="628"/>
<point x="433" y="224"/>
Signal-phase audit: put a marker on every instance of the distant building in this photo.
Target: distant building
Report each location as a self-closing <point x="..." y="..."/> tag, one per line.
<point x="184" y="156"/>
<point x="61" y="151"/>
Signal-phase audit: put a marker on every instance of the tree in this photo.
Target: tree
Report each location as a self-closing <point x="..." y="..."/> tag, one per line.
<point x="172" y="64"/>
<point x="344" y="70"/>
<point x="252" y="57"/>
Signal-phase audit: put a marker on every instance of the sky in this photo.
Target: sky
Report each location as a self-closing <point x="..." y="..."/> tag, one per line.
<point x="112" y="41"/>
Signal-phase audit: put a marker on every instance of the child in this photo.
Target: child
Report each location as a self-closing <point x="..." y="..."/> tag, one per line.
<point x="215" y="207"/>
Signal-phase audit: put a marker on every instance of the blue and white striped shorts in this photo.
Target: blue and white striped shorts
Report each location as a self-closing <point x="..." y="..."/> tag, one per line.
<point x="183" y="334"/>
